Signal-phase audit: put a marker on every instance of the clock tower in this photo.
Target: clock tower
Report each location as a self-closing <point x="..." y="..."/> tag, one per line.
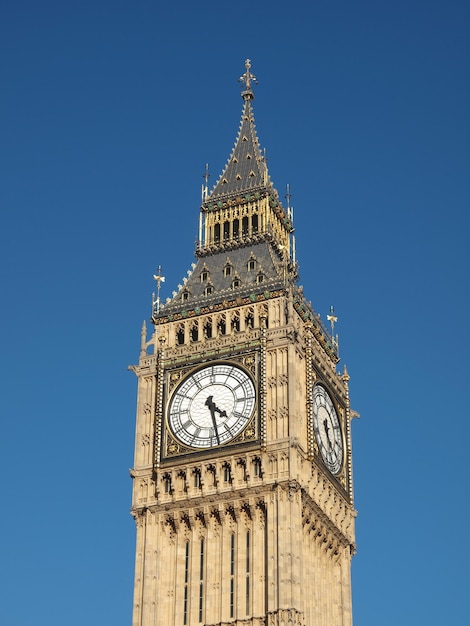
<point x="242" y="480"/>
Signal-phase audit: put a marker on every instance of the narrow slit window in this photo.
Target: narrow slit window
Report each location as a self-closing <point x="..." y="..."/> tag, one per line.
<point x="248" y="565"/>
<point x="201" y="581"/>
<point x="186" y="583"/>
<point x="232" y="573"/>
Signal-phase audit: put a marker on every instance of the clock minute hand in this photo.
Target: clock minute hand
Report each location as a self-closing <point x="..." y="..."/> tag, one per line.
<point x="213" y="409"/>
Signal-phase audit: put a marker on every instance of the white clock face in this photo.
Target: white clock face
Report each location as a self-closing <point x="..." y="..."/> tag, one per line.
<point x="327" y="430"/>
<point x="212" y="406"/>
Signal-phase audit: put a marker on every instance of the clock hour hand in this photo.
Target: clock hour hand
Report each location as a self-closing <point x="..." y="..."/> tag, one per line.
<point x="213" y="408"/>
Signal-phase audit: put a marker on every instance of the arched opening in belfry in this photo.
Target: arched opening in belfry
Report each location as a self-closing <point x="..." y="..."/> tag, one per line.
<point x="236" y="228"/>
<point x="245" y="226"/>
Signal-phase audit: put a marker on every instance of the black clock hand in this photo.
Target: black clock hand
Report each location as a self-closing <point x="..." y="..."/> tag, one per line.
<point x="327" y="431"/>
<point x="213" y="409"/>
<point x="212" y="405"/>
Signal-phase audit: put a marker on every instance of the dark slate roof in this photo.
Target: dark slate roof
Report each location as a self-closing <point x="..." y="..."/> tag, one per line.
<point x="246" y="167"/>
<point x="267" y="263"/>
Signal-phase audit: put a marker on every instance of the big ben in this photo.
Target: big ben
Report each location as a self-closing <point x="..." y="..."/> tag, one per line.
<point x="242" y="479"/>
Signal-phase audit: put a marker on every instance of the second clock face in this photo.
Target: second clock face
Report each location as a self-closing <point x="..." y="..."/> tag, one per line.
<point x="212" y="406"/>
<point x="327" y="429"/>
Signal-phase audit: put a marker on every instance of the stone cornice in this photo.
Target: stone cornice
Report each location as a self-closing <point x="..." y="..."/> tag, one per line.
<point x="228" y="301"/>
<point x="327" y="531"/>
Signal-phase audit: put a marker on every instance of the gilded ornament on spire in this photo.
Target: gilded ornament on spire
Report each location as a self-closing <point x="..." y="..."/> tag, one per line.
<point x="247" y="78"/>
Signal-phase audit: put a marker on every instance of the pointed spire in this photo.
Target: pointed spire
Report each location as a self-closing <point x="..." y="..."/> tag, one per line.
<point x="246" y="168"/>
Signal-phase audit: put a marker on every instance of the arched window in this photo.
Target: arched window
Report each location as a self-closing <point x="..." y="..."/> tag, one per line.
<point x="221" y="325"/>
<point x="167" y="488"/>
<point x="197" y="478"/>
<point x="208" y="328"/>
<point x="227" y="473"/>
<point x="257" y="471"/>
<point x="236" y="323"/>
<point x="195" y="332"/>
<point x="180" y="335"/>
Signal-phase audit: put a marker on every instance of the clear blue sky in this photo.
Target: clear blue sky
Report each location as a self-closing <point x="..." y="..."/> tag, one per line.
<point x="109" y="112"/>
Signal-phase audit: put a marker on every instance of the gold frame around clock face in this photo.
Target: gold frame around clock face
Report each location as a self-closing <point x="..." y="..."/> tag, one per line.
<point x="327" y="430"/>
<point x="211" y="406"/>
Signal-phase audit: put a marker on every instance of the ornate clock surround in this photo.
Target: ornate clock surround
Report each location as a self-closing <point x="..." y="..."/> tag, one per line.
<point x="316" y="377"/>
<point x="171" y="447"/>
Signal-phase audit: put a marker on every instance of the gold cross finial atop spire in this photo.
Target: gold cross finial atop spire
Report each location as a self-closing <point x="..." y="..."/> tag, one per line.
<point x="247" y="77"/>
